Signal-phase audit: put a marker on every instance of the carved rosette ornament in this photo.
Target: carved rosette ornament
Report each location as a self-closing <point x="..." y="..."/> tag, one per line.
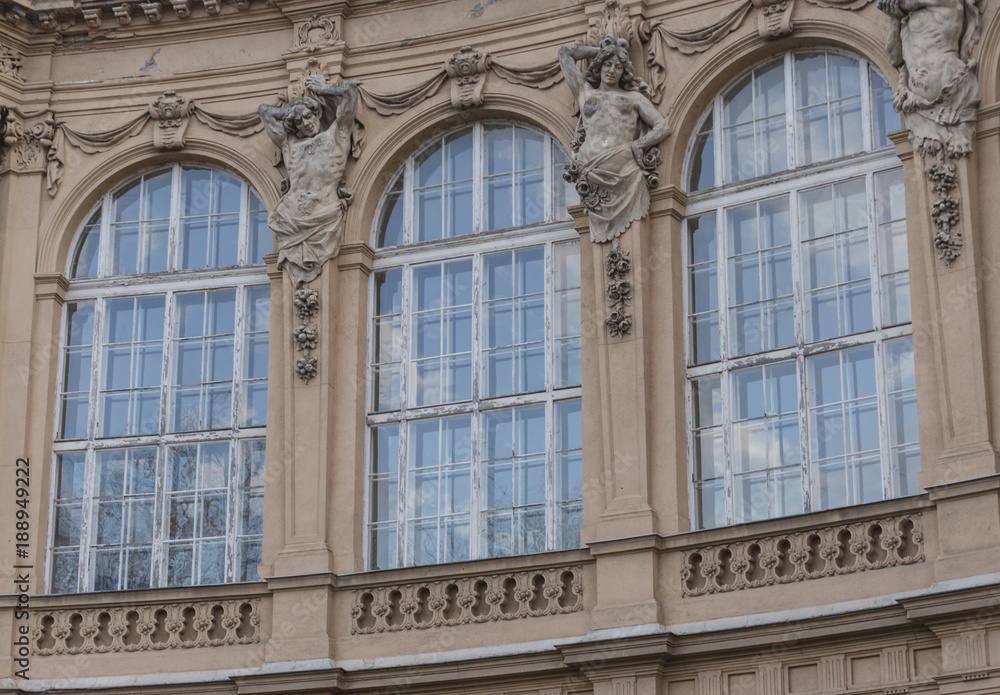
<point x="467" y="70"/>
<point x="931" y="44"/>
<point x="306" y="334"/>
<point x="170" y="113"/>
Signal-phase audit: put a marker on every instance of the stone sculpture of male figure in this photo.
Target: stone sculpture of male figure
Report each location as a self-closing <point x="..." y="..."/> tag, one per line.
<point x="931" y="44"/>
<point x="314" y="134"/>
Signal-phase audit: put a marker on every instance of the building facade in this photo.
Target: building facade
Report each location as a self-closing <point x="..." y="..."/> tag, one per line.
<point x="385" y="403"/>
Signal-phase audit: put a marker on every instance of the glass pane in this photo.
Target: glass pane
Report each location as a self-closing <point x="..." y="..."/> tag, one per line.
<point x="196" y="193"/>
<point x="811" y="74"/>
<point x="499" y="149"/>
<point x="458" y="157"/>
<point x="702" y="172"/>
<point x="156" y="196"/>
<point x="85" y="262"/>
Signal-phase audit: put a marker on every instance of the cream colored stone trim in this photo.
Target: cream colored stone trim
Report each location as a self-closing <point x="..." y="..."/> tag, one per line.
<point x="177" y="625"/>
<point x="468" y="600"/>
<point x="793" y="557"/>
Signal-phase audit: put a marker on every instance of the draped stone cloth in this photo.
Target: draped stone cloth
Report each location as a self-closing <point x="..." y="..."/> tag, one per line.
<point x="306" y="242"/>
<point x="614" y="191"/>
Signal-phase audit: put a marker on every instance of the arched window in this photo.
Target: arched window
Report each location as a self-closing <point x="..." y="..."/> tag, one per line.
<point x="159" y="449"/>
<point x="799" y="348"/>
<point x="474" y="398"/>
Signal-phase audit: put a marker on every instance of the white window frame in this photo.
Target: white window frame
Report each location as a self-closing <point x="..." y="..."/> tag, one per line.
<point x="167" y="284"/>
<point x="791" y="182"/>
<point x="472" y="246"/>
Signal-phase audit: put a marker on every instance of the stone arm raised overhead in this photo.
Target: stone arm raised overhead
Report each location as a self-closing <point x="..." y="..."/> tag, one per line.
<point x="273" y="119"/>
<point x="568" y="55"/>
<point x="344" y="95"/>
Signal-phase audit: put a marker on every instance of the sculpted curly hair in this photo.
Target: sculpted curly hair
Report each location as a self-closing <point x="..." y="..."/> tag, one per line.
<point x="613" y="48"/>
<point x="298" y="109"/>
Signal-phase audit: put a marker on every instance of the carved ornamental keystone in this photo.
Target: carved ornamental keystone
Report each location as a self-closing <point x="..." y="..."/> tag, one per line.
<point x="170" y="113"/>
<point x="467" y="69"/>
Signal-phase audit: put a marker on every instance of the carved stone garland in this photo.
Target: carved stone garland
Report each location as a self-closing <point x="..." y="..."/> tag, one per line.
<point x="618" y="265"/>
<point x="305" y="335"/>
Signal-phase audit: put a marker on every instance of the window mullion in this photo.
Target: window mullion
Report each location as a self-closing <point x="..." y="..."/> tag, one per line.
<point x="885" y="448"/>
<point x="239" y="333"/>
<point x="551" y="508"/>
<point x="156" y="576"/>
<point x="402" y="509"/>
<point x="868" y="135"/>
<point x="173" y="235"/>
<point x="96" y="371"/>
<point x="478" y="194"/>
<point x="878" y="321"/>
<point x="547" y="182"/>
<point x="476" y="547"/>
<point x="718" y="151"/>
<point x="233" y="513"/>
<point x="104" y="239"/>
<point x="243" y="233"/>
<point x="728" y="447"/>
<point x="408" y="202"/>
<point x="804" y="434"/>
<point x="790" y="129"/>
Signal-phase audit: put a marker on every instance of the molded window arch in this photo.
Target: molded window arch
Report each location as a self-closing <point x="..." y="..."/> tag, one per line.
<point x="474" y="446"/>
<point x="162" y="398"/>
<point x="799" y="343"/>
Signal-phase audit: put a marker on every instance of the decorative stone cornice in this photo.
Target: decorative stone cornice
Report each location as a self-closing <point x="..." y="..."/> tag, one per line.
<point x="793" y="557"/>
<point x="135" y="628"/>
<point x="90" y="13"/>
<point x="467" y="600"/>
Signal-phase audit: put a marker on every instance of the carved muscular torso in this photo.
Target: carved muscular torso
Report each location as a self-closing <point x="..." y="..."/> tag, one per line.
<point x="609" y="117"/>
<point x="315" y="168"/>
<point x="930" y="38"/>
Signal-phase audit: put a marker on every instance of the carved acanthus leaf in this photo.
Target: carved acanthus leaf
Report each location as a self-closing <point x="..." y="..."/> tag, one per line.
<point x="613" y="21"/>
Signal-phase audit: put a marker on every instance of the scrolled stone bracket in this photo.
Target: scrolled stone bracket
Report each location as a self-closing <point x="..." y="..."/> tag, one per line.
<point x="182" y="625"/>
<point x="618" y="266"/>
<point x="825" y="552"/>
<point x="467" y="600"/>
<point x="305" y="335"/>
